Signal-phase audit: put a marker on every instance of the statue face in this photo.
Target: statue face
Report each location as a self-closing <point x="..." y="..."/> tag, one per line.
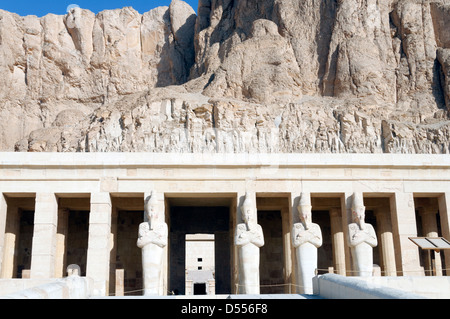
<point x="359" y="214"/>
<point x="248" y="215"/>
<point x="304" y="212"/>
<point x="151" y="212"/>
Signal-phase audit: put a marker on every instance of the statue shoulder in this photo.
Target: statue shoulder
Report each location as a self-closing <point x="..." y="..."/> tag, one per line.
<point x="297" y="227"/>
<point x="316" y="228"/>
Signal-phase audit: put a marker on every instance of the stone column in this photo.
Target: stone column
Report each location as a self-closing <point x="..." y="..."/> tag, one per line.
<point x="444" y="212"/>
<point x="384" y="225"/>
<point x="346" y="218"/>
<point x="152" y="240"/>
<point x="430" y="229"/>
<point x="99" y="246"/>
<point x="3" y="211"/>
<point x="113" y="271"/>
<point x="287" y="246"/>
<point x="404" y="226"/>
<point x="44" y="236"/>
<point x="338" y="241"/>
<point x="293" y="218"/>
<point x="249" y="238"/>
<point x="235" y="217"/>
<point x="61" y="242"/>
<point x="11" y="234"/>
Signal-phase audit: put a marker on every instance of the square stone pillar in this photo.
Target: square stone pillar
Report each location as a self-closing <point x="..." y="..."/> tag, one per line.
<point x="386" y="243"/>
<point x="338" y="241"/>
<point x="44" y="236"/>
<point x="444" y="213"/>
<point x="61" y="242"/>
<point x="3" y="210"/>
<point x="346" y="219"/>
<point x="404" y="226"/>
<point x="99" y="245"/>
<point x="294" y="218"/>
<point x="286" y="220"/>
<point x="234" y="262"/>
<point x="430" y="229"/>
<point x="120" y="282"/>
<point x="10" y="239"/>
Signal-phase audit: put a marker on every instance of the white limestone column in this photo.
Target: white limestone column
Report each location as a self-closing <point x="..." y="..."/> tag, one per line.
<point x="287" y="248"/>
<point x="386" y="241"/>
<point x="293" y="203"/>
<point x="235" y="217"/>
<point x="61" y="242"/>
<point x="405" y="226"/>
<point x="346" y="219"/>
<point x="155" y="252"/>
<point x="11" y="235"/>
<point x="99" y="245"/>
<point x="249" y="242"/>
<point x="444" y="212"/>
<point x="430" y="229"/>
<point x="43" y="251"/>
<point x="338" y="241"/>
<point x="3" y="211"/>
<point x="113" y="271"/>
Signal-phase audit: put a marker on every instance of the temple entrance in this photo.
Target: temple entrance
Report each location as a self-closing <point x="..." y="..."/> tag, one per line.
<point x="207" y="220"/>
<point x="200" y="264"/>
<point x="200" y="289"/>
<point x="275" y="263"/>
<point x="126" y="257"/>
<point x="428" y="221"/>
<point x="271" y="254"/>
<point x="18" y="239"/>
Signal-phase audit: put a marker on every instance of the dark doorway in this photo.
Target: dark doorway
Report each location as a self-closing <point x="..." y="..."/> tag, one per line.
<point x="25" y="242"/>
<point x="77" y="239"/>
<point x="193" y="220"/>
<point x="200" y="289"/>
<point x="128" y="254"/>
<point x="325" y="252"/>
<point x="271" y="262"/>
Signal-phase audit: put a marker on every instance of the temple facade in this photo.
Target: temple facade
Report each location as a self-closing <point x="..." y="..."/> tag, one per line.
<point x="61" y="209"/>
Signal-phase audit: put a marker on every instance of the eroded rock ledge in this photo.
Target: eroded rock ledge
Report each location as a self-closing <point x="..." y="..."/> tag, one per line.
<point x="241" y="76"/>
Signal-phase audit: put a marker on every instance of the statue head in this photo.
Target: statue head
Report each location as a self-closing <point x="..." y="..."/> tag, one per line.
<point x="304" y="209"/>
<point x="248" y="210"/>
<point x="358" y="210"/>
<point x="151" y="209"/>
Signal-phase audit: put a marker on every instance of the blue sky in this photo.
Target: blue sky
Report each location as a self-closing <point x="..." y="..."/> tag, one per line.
<point x="42" y="7"/>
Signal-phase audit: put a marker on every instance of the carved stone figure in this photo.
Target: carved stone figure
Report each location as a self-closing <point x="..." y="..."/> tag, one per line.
<point x="361" y="239"/>
<point x="249" y="238"/>
<point x="152" y="239"/>
<point x="307" y="238"/>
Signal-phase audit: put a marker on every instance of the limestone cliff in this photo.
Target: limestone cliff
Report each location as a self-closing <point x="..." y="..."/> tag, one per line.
<point x="366" y="76"/>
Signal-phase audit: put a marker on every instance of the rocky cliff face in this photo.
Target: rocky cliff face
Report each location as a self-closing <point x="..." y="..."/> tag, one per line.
<point x="366" y="76"/>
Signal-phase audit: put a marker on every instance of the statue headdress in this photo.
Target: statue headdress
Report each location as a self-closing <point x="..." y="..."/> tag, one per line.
<point x="357" y="200"/>
<point x="305" y="199"/>
<point x="248" y="202"/>
<point x="149" y="201"/>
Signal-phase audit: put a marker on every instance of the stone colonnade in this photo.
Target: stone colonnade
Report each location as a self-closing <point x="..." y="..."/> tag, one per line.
<point x="390" y="186"/>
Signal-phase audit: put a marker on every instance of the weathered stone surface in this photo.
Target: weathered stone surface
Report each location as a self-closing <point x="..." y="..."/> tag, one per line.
<point x="84" y="61"/>
<point x="260" y="69"/>
<point x="356" y="76"/>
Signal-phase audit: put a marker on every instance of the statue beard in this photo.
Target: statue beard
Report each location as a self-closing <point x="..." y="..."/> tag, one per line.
<point x="362" y="225"/>
<point x="152" y="221"/>
<point x="306" y="222"/>
<point x="249" y="225"/>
